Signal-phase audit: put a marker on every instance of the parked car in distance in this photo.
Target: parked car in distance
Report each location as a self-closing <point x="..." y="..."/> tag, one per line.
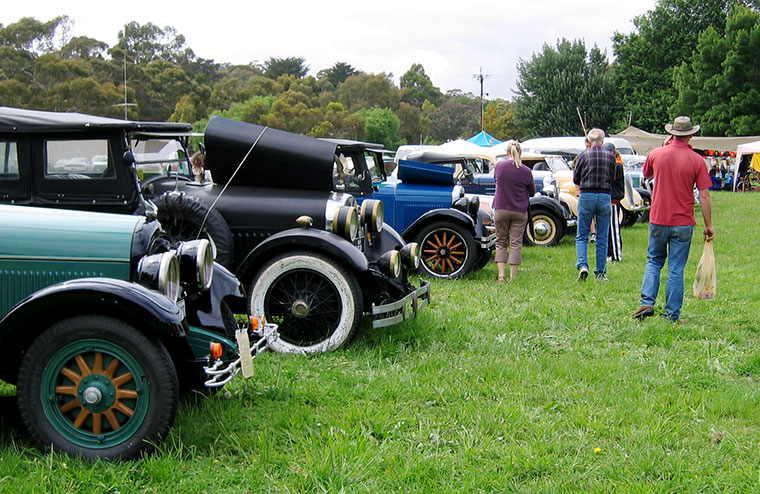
<point x="295" y="242"/>
<point x="93" y="324"/>
<point x="550" y="219"/>
<point x="637" y="200"/>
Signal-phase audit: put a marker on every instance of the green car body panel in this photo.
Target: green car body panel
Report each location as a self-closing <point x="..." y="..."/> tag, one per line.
<point x="40" y="247"/>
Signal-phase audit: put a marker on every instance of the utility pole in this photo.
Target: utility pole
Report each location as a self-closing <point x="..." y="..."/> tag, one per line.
<point x="480" y="76"/>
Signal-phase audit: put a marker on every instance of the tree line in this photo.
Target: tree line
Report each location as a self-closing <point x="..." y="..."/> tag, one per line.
<point x="685" y="57"/>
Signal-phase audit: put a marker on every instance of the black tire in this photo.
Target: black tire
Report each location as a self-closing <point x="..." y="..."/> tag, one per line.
<point x="629" y="217"/>
<point x="482" y="260"/>
<point x="646" y="198"/>
<point x="130" y="379"/>
<point x="447" y="250"/>
<point x="316" y="302"/>
<point x="182" y="216"/>
<point x="548" y="228"/>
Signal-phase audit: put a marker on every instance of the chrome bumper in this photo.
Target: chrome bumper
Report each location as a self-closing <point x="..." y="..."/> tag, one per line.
<point x="402" y="309"/>
<point x="220" y="373"/>
<point x="487" y="242"/>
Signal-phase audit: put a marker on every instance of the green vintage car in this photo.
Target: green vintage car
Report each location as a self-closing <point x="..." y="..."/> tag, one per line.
<point x="94" y="312"/>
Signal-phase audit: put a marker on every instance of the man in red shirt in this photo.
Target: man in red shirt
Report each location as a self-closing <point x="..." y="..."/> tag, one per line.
<point x="676" y="169"/>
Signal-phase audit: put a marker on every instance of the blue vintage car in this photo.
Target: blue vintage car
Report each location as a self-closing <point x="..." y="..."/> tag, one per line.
<point x="456" y="236"/>
<point x="551" y="218"/>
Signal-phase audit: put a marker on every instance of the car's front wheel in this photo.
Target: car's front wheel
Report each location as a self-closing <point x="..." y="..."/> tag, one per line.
<point x="316" y="302"/>
<point x="447" y="250"/>
<point x="547" y="229"/>
<point x="96" y="387"/>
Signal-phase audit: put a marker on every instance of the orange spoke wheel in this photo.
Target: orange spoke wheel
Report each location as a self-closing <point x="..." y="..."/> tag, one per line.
<point x="448" y="251"/>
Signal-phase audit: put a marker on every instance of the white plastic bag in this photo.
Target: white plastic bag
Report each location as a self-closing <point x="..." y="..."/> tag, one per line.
<point x="706" y="280"/>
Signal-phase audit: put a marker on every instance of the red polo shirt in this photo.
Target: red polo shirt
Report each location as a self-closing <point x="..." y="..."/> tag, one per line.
<point x="676" y="169"/>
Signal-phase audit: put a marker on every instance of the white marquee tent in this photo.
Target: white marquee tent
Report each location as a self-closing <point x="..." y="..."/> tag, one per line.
<point x="743" y="150"/>
<point x="644" y="142"/>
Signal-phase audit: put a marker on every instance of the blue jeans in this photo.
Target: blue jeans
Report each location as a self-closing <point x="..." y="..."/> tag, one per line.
<point x="673" y="243"/>
<point x="593" y="205"/>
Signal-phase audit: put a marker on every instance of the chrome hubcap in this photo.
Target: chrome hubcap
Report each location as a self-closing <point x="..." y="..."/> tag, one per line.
<point x="300" y="309"/>
<point x="92" y="395"/>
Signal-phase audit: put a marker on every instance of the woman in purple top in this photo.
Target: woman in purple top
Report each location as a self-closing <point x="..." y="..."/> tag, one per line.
<point x="514" y="188"/>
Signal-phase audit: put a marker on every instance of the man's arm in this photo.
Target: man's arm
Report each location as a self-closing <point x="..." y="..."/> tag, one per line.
<point x="577" y="170"/>
<point x="706" y="207"/>
<point x="648" y="169"/>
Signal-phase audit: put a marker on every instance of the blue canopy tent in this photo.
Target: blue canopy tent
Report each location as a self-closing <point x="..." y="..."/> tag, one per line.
<point x="484" y="139"/>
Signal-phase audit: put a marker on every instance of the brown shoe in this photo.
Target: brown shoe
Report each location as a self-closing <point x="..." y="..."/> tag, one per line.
<point x="643" y="312"/>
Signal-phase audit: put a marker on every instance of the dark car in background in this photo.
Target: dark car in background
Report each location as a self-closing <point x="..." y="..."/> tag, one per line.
<point x="311" y="262"/>
<point x="94" y="330"/>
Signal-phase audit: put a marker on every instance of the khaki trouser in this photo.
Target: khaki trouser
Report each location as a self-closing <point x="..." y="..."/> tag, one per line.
<point x="510" y="227"/>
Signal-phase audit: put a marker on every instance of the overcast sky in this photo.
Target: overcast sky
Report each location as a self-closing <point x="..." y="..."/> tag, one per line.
<point x="452" y="40"/>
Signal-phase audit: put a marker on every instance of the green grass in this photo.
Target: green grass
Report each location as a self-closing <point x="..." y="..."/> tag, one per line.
<point x="540" y="385"/>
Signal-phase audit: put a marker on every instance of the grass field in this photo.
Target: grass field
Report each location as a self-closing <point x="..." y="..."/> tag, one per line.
<point x="540" y="385"/>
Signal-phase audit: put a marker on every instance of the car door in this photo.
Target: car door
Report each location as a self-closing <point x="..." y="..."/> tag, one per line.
<point x="85" y="172"/>
<point x="15" y="175"/>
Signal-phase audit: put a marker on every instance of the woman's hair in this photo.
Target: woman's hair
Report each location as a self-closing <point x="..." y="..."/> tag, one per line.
<point x="198" y="160"/>
<point x="514" y="151"/>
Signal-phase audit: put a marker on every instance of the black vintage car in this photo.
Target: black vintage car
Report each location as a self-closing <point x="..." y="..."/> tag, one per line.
<point x="314" y="263"/>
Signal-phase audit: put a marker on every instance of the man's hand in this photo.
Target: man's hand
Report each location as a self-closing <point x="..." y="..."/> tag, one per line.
<point x="709" y="233"/>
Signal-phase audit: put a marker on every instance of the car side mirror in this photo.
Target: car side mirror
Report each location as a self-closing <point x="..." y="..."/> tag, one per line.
<point x="128" y="158"/>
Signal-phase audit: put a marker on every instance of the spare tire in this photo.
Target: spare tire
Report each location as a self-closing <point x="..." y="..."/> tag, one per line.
<point x="183" y="216"/>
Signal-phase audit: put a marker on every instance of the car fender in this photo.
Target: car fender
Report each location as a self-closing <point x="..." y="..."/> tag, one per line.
<point x="207" y="305"/>
<point x="553" y="205"/>
<point x="448" y="214"/>
<point x="149" y="311"/>
<point x="387" y="239"/>
<point x="301" y="238"/>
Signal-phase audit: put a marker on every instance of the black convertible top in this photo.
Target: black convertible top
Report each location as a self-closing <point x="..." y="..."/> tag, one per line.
<point x="278" y="159"/>
<point x="20" y="120"/>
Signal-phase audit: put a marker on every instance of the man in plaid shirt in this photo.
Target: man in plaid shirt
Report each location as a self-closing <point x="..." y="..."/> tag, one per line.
<point x="593" y="175"/>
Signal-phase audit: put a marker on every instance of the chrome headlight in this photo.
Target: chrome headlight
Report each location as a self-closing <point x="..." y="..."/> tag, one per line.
<point x="160" y="272"/>
<point x="345" y="222"/>
<point x="390" y="263"/>
<point x="372" y="215"/>
<point x="410" y="255"/>
<point x="549" y="190"/>
<point x="196" y="262"/>
<point x="457" y="193"/>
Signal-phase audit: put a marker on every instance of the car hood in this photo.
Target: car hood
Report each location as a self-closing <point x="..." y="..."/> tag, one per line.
<point x="269" y="157"/>
<point x="44" y="233"/>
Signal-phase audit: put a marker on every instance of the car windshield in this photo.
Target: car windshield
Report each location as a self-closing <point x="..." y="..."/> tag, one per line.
<point x="373" y="166"/>
<point x="158" y="156"/>
<point x="344" y="173"/>
<point x="557" y="164"/>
